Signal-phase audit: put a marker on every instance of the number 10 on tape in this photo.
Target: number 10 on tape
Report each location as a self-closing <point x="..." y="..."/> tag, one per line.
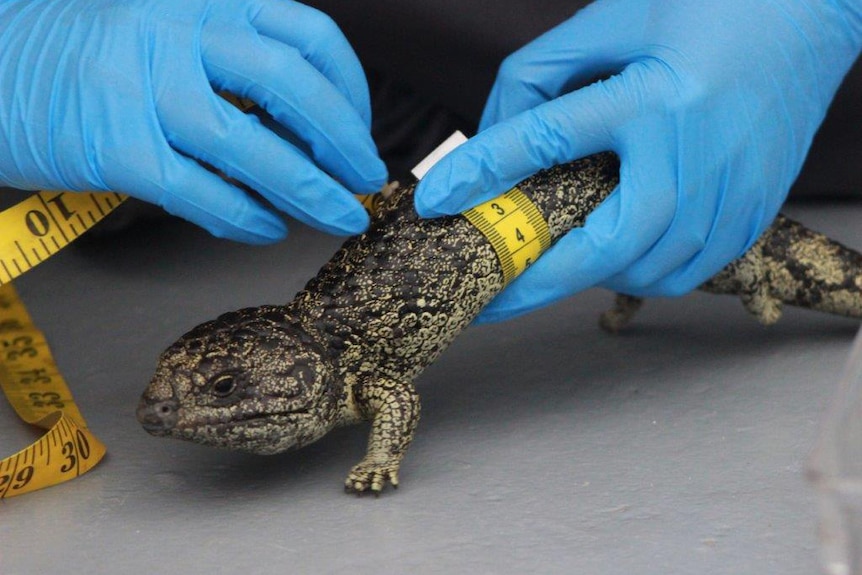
<point x="30" y="232"/>
<point x="43" y="224"/>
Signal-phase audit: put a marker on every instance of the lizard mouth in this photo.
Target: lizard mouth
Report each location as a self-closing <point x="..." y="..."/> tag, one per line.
<point x="263" y="435"/>
<point x="247" y="420"/>
<point x="260" y="433"/>
<point x="165" y="417"/>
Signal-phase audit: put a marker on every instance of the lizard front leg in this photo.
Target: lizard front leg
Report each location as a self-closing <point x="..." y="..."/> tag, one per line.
<point x="393" y="408"/>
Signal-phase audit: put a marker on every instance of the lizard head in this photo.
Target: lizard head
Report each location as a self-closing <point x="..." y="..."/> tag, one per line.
<point x="251" y="380"/>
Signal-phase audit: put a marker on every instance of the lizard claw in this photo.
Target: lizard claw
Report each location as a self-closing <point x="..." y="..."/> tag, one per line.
<point x="373" y="477"/>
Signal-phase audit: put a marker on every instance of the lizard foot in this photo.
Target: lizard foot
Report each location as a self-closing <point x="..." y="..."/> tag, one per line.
<point x="619" y="316"/>
<point x="371" y="476"/>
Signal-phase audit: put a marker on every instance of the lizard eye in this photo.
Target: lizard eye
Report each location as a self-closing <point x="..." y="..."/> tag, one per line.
<point x="223" y="386"/>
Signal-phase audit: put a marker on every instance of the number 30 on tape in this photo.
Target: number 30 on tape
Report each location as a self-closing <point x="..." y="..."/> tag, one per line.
<point x="31" y="232"/>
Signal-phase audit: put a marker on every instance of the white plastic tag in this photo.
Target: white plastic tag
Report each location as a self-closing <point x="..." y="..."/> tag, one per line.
<point x="452" y="142"/>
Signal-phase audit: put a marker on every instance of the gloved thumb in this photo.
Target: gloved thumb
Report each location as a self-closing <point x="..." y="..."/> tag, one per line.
<point x="570" y="127"/>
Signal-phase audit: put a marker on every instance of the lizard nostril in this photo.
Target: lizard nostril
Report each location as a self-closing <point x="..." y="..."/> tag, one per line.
<point x="158" y="417"/>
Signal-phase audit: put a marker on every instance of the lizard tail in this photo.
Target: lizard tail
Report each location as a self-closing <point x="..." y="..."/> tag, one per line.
<point x="793" y="265"/>
<point x="790" y="264"/>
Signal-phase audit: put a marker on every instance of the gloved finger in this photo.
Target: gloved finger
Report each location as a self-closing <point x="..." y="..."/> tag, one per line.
<point x="722" y="245"/>
<point x="618" y="232"/>
<point x="565" y="58"/>
<point x="222" y="136"/>
<point x="720" y="250"/>
<point x="688" y="233"/>
<point x="570" y="127"/>
<point x="186" y="189"/>
<point x="717" y="253"/>
<point x="320" y="41"/>
<point x="711" y="226"/>
<point x="493" y="161"/>
<point x="300" y="98"/>
<point x="549" y="278"/>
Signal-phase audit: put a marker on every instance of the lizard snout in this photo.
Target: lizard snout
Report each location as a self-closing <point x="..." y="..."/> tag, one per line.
<point x="158" y="417"/>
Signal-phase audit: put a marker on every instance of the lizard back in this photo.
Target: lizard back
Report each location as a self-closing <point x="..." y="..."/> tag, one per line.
<point x="392" y="299"/>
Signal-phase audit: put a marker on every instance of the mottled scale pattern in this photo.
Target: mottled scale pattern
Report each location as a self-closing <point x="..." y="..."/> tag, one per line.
<point x="390" y="301"/>
<point x="789" y="264"/>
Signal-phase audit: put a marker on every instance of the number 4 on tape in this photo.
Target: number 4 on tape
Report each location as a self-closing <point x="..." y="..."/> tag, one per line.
<point x="31" y="232"/>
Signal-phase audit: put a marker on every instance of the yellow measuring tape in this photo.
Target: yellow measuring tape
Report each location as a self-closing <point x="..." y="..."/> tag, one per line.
<point x="511" y="222"/>
<point x="31" y="232"/>
<point x="45" y="223"/>
<point x="516" y="229"/>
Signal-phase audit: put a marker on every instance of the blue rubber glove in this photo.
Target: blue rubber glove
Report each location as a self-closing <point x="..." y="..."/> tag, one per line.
<point x="121" y="95"/>
<point x="711" y="107"/>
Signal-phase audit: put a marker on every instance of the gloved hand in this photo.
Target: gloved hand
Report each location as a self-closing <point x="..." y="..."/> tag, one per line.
<point x="121" y="95"/>
<point x="711" y="107"/>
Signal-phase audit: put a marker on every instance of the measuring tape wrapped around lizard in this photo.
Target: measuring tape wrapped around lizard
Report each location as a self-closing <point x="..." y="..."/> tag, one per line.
<point x="347" y="348"/>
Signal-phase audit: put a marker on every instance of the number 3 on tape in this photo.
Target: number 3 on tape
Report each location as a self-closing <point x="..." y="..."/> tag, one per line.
<point x="31" y="232"/>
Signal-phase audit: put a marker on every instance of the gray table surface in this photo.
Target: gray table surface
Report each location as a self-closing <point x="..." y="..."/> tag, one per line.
<point x="546" y="446"/>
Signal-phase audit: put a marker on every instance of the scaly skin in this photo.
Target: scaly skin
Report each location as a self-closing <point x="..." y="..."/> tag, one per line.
<point x="389" y="302"/>
<point x="788" y="264"/>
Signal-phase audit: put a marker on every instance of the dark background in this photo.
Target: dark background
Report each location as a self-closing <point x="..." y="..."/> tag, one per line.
<point x="431" y="65"/>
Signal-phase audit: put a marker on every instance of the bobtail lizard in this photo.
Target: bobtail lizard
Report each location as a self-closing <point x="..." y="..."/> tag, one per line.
<point x="348" y="347"/>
